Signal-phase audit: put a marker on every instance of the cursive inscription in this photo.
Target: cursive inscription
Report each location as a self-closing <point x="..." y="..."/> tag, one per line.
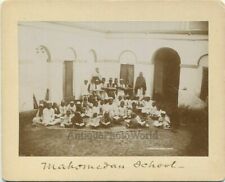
<point x="106" y="165"/>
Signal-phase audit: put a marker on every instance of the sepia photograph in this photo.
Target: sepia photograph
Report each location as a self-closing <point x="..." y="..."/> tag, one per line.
<point x="121" y="88"/>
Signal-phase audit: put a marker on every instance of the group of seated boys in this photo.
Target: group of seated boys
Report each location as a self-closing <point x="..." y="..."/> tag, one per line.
<point x="132" y="112"/>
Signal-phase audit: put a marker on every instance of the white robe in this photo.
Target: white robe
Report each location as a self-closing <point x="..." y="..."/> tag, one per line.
<point x="48" y="116"/>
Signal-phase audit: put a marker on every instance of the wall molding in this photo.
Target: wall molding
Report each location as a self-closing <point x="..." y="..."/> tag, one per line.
<point x="107" y="61"/>
<point x="188" y="66"/>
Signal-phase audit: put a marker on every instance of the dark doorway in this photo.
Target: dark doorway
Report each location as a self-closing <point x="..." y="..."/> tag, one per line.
<point x="127" y="73"/>
<point x="166" y="75"/>
<point x="204" y="87"/>
<point x="68" y="80"/>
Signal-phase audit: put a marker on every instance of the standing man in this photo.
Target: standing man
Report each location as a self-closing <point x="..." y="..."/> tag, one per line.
<point x="96" y="75"/>
<point x="140" y="85"/>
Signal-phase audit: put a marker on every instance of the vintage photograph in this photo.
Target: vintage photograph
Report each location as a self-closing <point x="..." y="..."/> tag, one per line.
<point x="132" y="88"/>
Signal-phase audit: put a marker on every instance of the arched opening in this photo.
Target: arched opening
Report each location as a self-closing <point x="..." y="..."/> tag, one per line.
<point x="127" y="60"/>
<point x="71" y="54"/>
<point x="43" y="53"/>
<point x="92" y="56"/>
<point x="203" y="66"/>
<point x="166" y="75"/>
<point x="68" y="74"/>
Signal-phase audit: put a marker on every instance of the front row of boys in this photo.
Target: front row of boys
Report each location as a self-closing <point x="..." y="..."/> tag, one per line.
<point x="103" y="113"/>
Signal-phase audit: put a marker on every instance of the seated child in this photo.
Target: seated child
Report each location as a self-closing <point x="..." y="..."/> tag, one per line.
<point x="147" y="105"/>
<point x="96" y="108"/>
<point x="114" y="113"/>
<point x="86" y="108"/>
<point x="49" y="115"/>
<point x="78" y="106"/>
<point x="163" y="121"/>
<point x="136" y="122"/>
<point x="56" y="110"/>
<point x="39" y="115"/>
<point x="118" y="100"/>
<point x="105" y="120"/>
<point x="95" y="121"/>
<point x="111" y="107"/>
<point x="155" y="111"/>
<point x="134" y="108"/>
<point x="66" y="120"/>
<point x="71" y="107"/>
<point x="77" y="120"/>
<point x="105" y="107"/>
<point x="122" y="110"/>
<point x="62" y="109"/>
<point x="101" y="105"/>
<point x="129" y="103"/>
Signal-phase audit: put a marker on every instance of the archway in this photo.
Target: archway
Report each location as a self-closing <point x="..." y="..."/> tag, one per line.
<point x="43" y="53"/>
<point x="203" y="66"/>
<point x="127" y="60"/>
<point x="166" y="75"/>
<point x="70" y="54"/>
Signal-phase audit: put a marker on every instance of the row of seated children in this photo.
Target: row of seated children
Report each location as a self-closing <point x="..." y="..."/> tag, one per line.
<point x="102" y="113"/>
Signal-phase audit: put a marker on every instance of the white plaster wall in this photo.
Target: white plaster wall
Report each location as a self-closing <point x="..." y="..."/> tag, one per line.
<point x="190" y="85"/>
<point x="36" y="76"/>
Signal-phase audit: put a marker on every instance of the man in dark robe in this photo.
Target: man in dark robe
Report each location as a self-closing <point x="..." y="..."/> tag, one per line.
<point x="140" y="84"/>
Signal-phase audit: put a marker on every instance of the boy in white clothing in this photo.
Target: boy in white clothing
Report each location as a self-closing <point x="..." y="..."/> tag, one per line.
<point x="49" y="115"/>
<point x="62" y="109"/>
<point x="163" y="121"/>
<point x="111" y="107"/>
<point x="147" y="105"/>
<point x="122" y="110"/>
<point x="96" y="108"/>
<point x="71" y="107"/>
<point x="66" y="119"/>
<point x="85" y="89"/>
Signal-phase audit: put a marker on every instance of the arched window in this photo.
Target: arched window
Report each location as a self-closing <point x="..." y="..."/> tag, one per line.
<point x="71" y="54"/>
<point x="92" y="56"/>
<point x="43" y="53"/>
<point x="203" y="61"/>
<point x="127" y="57"/>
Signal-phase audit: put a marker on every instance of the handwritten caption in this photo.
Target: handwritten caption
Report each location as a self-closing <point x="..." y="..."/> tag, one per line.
<point x="107" y="165"/>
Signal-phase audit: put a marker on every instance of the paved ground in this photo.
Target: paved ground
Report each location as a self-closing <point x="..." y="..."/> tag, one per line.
<point x="115" y="141"/>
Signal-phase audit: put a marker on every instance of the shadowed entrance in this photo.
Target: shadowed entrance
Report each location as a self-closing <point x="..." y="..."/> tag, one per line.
<point x="166" y="75"/>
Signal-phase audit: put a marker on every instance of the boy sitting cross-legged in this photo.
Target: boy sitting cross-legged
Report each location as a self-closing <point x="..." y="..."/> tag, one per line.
<point x="77" y="120"/>
<point x="163" y="121"/>
<point x="135" y="122"/>
<point x="122" y="110"/>
<point x="66" y="119"/>
<point x="95" y="121"/>
<point x="105" y="120"/>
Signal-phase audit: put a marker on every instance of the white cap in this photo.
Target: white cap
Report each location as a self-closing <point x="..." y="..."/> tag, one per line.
<point x="163" y="112"/>
<point x="71" y="102"/>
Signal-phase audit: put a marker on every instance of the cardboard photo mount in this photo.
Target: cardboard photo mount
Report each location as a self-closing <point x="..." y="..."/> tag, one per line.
<point x="134" y="168"/>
